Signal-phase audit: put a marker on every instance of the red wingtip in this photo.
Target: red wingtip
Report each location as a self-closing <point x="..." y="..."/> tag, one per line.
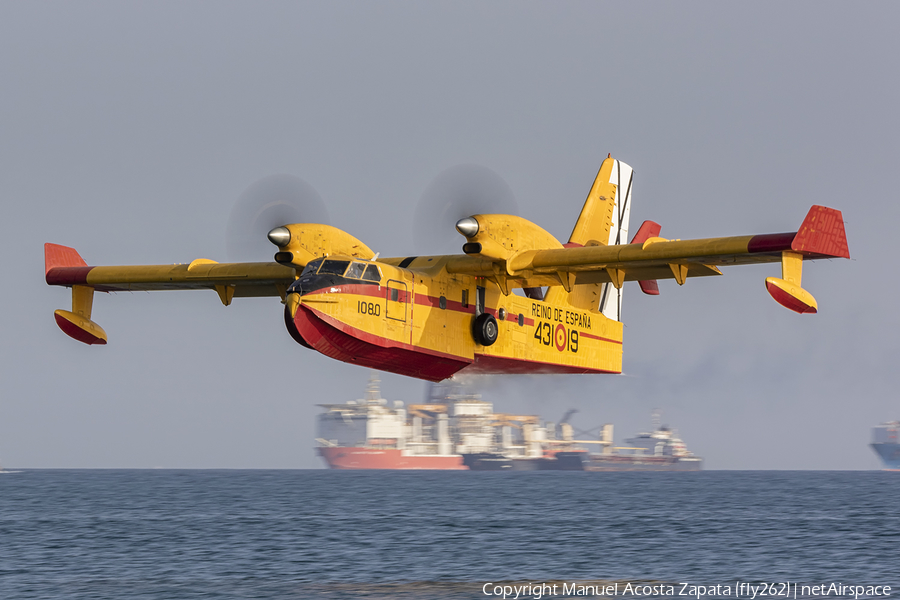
<point x="822" y="232"/>
<point x="61" y="256"/>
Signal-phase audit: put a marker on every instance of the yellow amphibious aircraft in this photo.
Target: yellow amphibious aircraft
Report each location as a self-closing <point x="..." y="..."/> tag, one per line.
<point x="433" y="316"/>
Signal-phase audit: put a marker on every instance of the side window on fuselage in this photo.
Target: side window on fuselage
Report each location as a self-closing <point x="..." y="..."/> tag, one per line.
<point x="355" y="270"/>
<point x="372" y="273"/>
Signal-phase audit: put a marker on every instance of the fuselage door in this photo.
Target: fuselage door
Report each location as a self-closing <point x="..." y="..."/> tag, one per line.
<point x="397" y="299"/>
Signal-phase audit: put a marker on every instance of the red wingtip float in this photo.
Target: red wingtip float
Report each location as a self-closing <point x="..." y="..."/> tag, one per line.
<point x="64" y="266"/>
<point x="821" y="235"/>
<point x="433" y="316"/>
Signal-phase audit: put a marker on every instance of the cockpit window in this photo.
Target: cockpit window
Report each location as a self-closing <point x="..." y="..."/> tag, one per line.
<point x="334" y="267"/>
<point x="355" y="270"/>
<point x="311" y="267"/>
<point x="372" y="273"/>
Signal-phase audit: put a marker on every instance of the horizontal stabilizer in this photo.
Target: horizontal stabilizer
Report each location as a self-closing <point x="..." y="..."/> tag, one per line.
<point x="647" y="230"/>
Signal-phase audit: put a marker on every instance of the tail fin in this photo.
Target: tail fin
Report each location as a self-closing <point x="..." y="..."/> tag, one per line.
<point x="604" y="217"/>
<point x="603" y="221"/>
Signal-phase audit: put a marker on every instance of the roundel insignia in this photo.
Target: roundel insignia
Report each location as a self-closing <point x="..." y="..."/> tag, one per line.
<point x="561" y="337"/>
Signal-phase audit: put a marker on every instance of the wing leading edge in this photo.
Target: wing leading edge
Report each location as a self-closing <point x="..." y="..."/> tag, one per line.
<point x="63" y="266"/>
<point x="821" y="235"/>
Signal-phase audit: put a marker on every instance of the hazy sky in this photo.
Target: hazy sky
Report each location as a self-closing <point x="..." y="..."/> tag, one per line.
<point x="128" y="130"/>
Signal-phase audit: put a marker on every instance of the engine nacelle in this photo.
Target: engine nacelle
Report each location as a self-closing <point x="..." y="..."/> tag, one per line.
<point x="500" y="237"/>
<point x="302" y="242"/>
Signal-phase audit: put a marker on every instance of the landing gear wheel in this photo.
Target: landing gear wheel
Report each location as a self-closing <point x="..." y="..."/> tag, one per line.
<point x="484" y="329"/>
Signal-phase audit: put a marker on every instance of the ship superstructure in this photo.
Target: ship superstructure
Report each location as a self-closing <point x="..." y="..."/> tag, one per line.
<point x="369" y="434"/>
<point x="454" y="429"/>
<point x="657" y="450"/>
<point x="886" y="444"/>
<point x="445" y="431"/>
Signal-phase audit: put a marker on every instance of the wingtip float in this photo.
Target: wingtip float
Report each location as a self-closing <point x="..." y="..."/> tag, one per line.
<point x="433" y="316"/>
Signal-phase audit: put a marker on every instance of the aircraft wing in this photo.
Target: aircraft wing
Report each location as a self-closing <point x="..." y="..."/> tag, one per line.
<point x="63" y="266"/>
<point x="821" y="235"/>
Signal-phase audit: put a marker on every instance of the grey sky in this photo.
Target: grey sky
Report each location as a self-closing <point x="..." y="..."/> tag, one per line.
<point x="128" y="130"/>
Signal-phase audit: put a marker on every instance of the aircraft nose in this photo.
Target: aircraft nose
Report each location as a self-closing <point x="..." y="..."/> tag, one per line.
<point x="468" y="226"/>
<point x="280" y="236"/>
<point x="292" y="302"/>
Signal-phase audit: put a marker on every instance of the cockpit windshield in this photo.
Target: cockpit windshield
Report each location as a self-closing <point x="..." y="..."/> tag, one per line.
<point x="312" y="266"/>
<point x="347" y="268"/>
<point x="334" y="267"/>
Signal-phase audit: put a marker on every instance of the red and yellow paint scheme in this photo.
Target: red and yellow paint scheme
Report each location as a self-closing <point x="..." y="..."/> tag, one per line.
<point x="433" y="316"/>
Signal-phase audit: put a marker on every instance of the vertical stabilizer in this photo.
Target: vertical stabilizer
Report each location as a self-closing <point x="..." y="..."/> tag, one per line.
<point x="603" y="221"/>
<point x="604" y="216"/>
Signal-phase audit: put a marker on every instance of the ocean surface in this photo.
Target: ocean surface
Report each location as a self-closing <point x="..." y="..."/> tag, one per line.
<point x="169" y="534"/>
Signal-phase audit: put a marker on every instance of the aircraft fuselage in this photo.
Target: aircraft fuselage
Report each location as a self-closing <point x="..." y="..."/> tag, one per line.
<point x="417" y="320"/>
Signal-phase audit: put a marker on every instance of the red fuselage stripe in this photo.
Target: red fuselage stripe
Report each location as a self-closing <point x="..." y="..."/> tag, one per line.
<point x="67" y="275"/>
<point x="597" y="337"/>
<point x="373" y="291"/>
<point x="770" y="242"/>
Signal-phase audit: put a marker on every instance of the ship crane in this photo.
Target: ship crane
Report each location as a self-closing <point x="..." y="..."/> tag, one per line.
<point x="568" y="415"/>
<point x="517" y="421"/>
<point x="427" y="411"/>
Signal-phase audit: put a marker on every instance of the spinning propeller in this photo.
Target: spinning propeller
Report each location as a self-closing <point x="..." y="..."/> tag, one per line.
<point x="456" y="193"/>
<point x="271" y="202"/>
<point x="278" y="200"/>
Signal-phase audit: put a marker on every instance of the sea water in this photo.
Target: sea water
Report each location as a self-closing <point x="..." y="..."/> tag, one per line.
<point x="221" y="534"/>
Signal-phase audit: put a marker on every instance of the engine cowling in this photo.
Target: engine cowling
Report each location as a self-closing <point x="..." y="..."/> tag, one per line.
<point x="500" y="237"/>
<point x="302" y="242"/>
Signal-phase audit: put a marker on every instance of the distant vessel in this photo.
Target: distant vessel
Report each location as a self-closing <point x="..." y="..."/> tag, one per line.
<point x="368" y="434"/>
<point x="450" y="430"/>
<point x="658" y="450"/>
<point x="886" y="444"/>
<point x="453" y="430"/>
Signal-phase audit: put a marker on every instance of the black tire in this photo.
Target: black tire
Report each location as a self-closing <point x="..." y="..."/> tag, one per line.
<point x="485" y="329"/>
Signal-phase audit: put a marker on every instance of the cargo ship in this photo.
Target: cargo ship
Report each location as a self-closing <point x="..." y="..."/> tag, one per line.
<point x="369" y="434"/>
<point x="456" y="430"/>
<point x="658" y="450"/>
<point x="886" y="444"/>
<point x="452" y="429"/>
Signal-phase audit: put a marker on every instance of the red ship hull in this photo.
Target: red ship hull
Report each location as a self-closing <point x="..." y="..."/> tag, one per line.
<point x="388" y="458"/>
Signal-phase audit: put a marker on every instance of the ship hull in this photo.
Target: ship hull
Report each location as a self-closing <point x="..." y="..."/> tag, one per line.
<point x="388" y="458"/>
<point x="889" y="454"/>
<point x="642" y="463"/>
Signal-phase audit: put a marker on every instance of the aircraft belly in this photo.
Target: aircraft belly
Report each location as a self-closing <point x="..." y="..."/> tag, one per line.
<point x="497" y="365"/>
<point x="347" y="344"/>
